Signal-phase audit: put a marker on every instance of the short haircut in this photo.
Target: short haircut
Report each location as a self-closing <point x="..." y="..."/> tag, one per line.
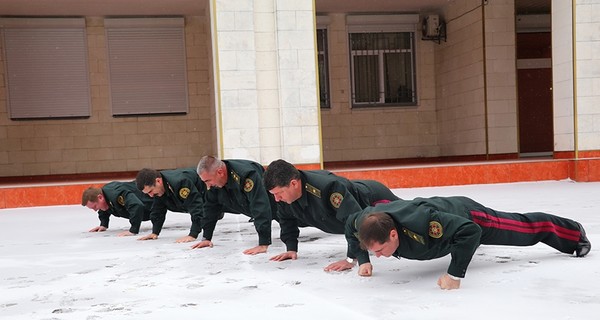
<point x="209" y="164"/>
<point x="90" y="195"/>
<point x="375" y="227"/>
<point x="279" y="174"/>
<point x="146" y="178"/>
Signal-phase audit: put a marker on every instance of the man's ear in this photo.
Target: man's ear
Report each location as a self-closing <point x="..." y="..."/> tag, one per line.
<point x="295" y="184"/>
<point x="393" y="234"/>
<point x="158" y="181"/>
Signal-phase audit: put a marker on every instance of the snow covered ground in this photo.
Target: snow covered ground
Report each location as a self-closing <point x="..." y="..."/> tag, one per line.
<point x="52" y="268"/>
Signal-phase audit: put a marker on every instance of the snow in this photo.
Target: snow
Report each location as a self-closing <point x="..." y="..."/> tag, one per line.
<point x="52" y="268"/>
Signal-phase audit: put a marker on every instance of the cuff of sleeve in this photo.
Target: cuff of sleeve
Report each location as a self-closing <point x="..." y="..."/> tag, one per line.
<point x="292" y="246"/>
<point x="453" y="277"/>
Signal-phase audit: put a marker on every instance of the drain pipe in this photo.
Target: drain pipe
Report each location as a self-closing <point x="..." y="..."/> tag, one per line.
<point x="485" y="88"/>
<point x="574" y="47"/>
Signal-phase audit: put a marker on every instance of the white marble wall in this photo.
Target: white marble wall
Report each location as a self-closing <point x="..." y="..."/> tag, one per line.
<point x="587" y="73"/>
<point x="587" y="41"/>
<point x="266" y="70"/>
<point x="562" y="75"/>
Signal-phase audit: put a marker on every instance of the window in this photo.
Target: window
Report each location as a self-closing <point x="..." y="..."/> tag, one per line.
<point x="382" y="59"/>
<point x="323" y="67"/>
<point x="147" y="68"/>
<point x="382" y="68"/>
<point x="46" y="67"/>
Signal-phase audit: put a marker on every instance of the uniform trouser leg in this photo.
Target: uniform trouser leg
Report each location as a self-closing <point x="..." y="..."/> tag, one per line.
<point x="516" y="229"/>
<point x="378" y="192"/>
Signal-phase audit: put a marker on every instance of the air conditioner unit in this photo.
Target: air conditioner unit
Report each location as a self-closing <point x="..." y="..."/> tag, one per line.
<point x="431" y="25"/>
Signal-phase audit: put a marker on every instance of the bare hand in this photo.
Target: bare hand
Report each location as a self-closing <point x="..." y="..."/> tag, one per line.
<point x="151" y="236"/>
<point x="185" y="239"/>
<point x="256" y="250"/>
<point x="202" y="244"/>
<point x="447" y="283"/>
<point x="125" y="234"/>
<point x="365" y="270"/>
<point x="339" y="266"/>
<point x="98" y="229"/>
<point x="293" y="255"/>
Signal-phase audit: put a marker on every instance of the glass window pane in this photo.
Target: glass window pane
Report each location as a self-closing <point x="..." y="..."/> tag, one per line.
<point x="366" y="79"/>
<point x="398" y="77"/>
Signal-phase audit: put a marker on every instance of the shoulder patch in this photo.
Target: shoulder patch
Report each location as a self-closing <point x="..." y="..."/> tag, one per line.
<point x="313" y="190"/>
<point x="435" y="229"/>
<point x="418" y="238"/>
<point x="249" y="185"/>
<point x="184" y="193"/>
<point x="336" y="199"/>
<point x="121" y="200"/>
<point x="235" y="176"/>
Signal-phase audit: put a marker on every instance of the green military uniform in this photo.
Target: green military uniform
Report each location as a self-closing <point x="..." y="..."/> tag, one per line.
<point x="327" y="201"/>
<point x="184" y="192"/>
<point x="125" y="201"/>
<point x="243" y="193"/>
<point x="431" y="228"/>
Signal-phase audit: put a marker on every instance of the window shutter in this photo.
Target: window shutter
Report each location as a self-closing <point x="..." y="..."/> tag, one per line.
<point x="46" y="67"/>
<point x="147" y="65"/>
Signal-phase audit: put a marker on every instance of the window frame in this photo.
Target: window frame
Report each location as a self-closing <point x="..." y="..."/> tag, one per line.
<point x="139" y="87"/>
<point x="325" y="82"/>
<point x="47" y="75"/>
<point x="368" y="24"/>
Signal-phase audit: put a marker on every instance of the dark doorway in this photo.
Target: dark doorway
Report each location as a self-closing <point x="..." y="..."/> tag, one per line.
<point x="534" y="76"/>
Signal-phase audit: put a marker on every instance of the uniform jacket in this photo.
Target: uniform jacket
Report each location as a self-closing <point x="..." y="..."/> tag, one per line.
<point x="126" y="201"/>
<point x="327" y="201"/>
<point x="184" y="192"/>
<point x="245" y="193"/>
<point x="428" y="228"/>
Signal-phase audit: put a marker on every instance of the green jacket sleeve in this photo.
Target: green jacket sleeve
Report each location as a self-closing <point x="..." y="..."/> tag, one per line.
<point x="135" y="208"/>
<point x="351" y="233"/>
<point x="260" y="207"/>
<point x="289" y="230"/>
<point x="158" y="215"/>
<point x="463" y="236"/>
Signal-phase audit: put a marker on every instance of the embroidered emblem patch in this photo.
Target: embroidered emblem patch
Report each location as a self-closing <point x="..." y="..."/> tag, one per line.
<point x="121" y="200"/>
<point x="249" y="185"/>
<point x="418" y="238"/>
<point x="184" y="193"/>
<point x="435" y="229"/>
<point x="336" y="199"/>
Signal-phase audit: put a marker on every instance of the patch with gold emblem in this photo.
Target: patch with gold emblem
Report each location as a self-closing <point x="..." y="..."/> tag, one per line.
<point x="313" y="190"/>
<point x="336" y="199"/>
<point x="435" y="229"/>
<point x="121" y="200"/>
<point x="417" y="237"/>
<point x="184" y="193"/>
<point x="249" y="185"/>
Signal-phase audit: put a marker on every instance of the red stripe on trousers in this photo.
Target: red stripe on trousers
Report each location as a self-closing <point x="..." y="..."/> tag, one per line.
<point x="524" y="227"/>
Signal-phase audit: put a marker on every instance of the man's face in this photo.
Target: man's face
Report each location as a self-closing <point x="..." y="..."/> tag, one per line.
<point x="216" y="179"/>
<point x="156" y="190"/>
<point x="387" y="248"/>
<point x="99" y="204"/>
<point x="289" y="193"/>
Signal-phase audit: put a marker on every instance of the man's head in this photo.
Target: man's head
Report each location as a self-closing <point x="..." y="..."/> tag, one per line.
<point x="93" y="198"/>
<point x="377" y="233"/>
<point x="283" y="181"/>
<point x="212" y="171"/>
<point x="150" y="182"/>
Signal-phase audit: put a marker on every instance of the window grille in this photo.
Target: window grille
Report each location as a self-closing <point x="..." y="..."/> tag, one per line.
<point x="382" y="68"/>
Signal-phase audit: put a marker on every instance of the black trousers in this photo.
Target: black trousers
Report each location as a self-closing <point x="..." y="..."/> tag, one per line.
<point x="525" y="229"/>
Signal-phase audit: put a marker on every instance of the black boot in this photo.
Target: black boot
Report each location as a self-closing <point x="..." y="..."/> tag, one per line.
<point x="584" y="246"/>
